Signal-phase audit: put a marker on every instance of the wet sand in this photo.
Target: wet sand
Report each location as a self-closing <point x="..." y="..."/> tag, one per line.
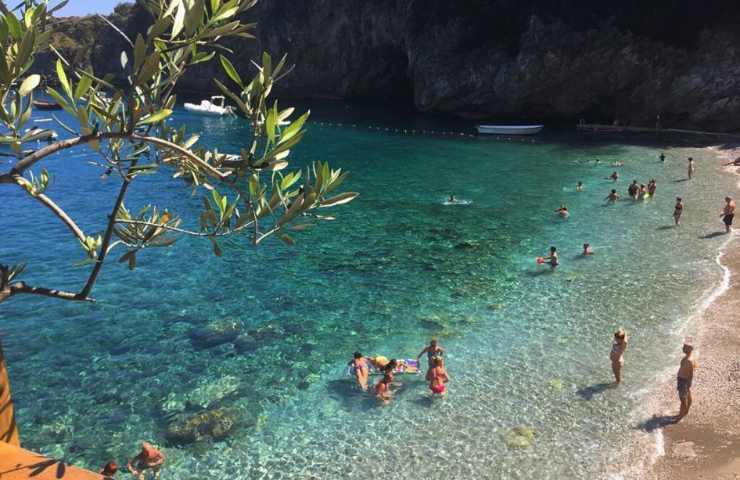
<point x="706" y="443"/>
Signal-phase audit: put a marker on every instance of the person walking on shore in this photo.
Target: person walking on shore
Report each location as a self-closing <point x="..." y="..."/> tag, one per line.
<point x="683" y="381"/>
<point x="728" y="213"/>
<point x="691" y="168"/>
<point x="678" y="211"/>
<point x="617" y="354"/>
<point x="662" y="157"/>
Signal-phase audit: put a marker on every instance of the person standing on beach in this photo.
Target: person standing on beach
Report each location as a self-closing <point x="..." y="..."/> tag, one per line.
<point x="691" y="168"/>
<point x="683" y="381"/>
<point x="617" y="354"/>
<point x="678" y="211"/>
<point x="728" y="213"/>
<point x="662" y="157"/>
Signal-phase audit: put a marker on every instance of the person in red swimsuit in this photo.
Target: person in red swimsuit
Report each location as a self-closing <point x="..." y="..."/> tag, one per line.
<point x="437" y="377"/>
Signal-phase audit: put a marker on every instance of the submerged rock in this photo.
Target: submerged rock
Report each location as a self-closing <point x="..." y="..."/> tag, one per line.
<point x="215" y="333"/>
<point x="519" y="437"/>
<point x="216" y="424"/>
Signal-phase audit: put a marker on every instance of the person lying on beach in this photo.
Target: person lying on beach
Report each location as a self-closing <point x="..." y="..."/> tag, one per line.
<point x="735" y="163"/>
<point x="678" y="211"/>
<point x="579" y="187"/>
<point x="587" y="250"/>
<point x="612" y="197"/>
<point x="433" y="350"/>
<point x="633" y="189"/>
<point x="613" y="177"/>
<point x="148" y="459"/>
<point x="360" y="368"/>
<point x="728" y="213"/>
<point x="552" y="259"/>
<point x="437" y="377"/>
<point x="563" y="211"/>
<point x="691" y="168"/>
<point x="383" y="389"/>
<point x="617" y="354"/>
<point x="684" y="377"/>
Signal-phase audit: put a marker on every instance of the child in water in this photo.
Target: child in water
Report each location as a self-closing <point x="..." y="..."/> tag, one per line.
<point x="437" y="377"/>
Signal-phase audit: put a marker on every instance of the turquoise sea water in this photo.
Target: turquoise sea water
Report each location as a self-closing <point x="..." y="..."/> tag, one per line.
<point x="526" y="347"/>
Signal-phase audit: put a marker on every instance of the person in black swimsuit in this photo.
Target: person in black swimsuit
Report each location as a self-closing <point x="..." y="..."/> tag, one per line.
<point x="678" y="210"/>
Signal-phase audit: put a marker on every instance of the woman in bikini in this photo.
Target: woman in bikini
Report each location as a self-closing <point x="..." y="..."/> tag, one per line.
<point x="437" y="377"/>
<point x="617" y="354"/>
<point x="678" y="211"/>
<point x="360" y="369"/>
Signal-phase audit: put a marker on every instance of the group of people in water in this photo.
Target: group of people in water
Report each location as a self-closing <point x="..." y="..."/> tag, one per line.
<point x="437" y="376"/>
<point x="636" y="191"/>
<point x="148" y="462"/>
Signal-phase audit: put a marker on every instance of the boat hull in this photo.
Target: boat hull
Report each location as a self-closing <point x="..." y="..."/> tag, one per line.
<point x="215" y="112"/>
<point x="510" y="129"/>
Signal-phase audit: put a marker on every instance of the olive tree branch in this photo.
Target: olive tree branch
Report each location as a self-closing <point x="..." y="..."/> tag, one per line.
<point x="56" y="210"/>
<point x="184" y="231"/>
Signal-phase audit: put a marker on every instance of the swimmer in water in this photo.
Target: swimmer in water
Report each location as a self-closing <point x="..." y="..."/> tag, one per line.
<point x="662" y="157"/>
<point x="678" y="211"/>
<point x="383" y="389"/>
<point x="613" y="177"/>
<point x="643" y="192"/>
<point x="633" y="189"/>
<point x="612" y="197"/>
<point x="579" y="187"/>
<point x="617" y="354"/>
<point x="692" y="170"/>
<point x="563" y="211"/>
<point x="452" y="199"/>
<point x="148" y="459"/>
<point x="617" y="164"/>
<point x="360" y="369"/>
<point x="437" y="377"/>
<point x="552" y="259"/>
<point x="652" y="185"/>
<point x="587" y="250"/>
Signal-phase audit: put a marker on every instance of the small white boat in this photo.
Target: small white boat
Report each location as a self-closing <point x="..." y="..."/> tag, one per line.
<point x="510" y="129"/>
<point x="215" y="106"/>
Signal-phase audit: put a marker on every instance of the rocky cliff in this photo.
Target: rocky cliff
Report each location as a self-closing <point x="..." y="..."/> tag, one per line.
<point x="543" y="60"/>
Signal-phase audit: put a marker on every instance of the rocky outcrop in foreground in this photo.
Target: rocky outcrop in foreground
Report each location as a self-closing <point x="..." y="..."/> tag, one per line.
<point x="544" y="60"/>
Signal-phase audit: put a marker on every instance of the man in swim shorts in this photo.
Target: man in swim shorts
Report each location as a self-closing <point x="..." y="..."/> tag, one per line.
<point x="683" y="381"/>
<point x="728" y="213"/>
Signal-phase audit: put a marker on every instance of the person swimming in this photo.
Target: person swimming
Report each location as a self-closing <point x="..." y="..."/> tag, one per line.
<point x="652" y="186"/>
<point x="612" y="197"/>
<point x="617" y="164"/>
<point x="613" y="177"/>
<point x="563" y="211"/>
<point x="433" y="350"/>
<point x="579" y="187"/>
<point x="360" y="369"/>
<point x="149" y="458"/>
<point x="643" y="192"/>
<point x="383" y="389"/>
<point x="587" y="250"/>
<point x="552" y="259"/>
<point x="452" y="199"/>
<point x="633" y="190"/>
<point x="617" y="354"/>
<point x="437" y="377"/>
<point x="678" y="211"/>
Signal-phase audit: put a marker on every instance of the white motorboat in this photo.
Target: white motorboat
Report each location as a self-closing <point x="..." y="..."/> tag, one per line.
<point x="510" y="129"/>
<point x="215" y="106"/>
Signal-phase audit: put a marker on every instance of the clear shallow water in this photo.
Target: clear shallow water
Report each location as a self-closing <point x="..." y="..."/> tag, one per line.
<point x="526" y="347"/>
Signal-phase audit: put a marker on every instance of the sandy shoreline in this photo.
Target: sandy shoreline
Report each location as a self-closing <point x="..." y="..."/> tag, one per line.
<point x="706" y="444"/>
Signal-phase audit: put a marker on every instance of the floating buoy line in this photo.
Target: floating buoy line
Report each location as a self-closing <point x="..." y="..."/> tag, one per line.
<point x="435" y="133"/>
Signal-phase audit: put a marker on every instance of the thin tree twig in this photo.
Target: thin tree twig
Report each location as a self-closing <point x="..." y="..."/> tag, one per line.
<point x="61" y="214"/>
<point x="192" y="233"/>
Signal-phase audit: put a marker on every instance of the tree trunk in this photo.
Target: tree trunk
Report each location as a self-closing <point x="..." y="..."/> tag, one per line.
<point x="8" y="428"/>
